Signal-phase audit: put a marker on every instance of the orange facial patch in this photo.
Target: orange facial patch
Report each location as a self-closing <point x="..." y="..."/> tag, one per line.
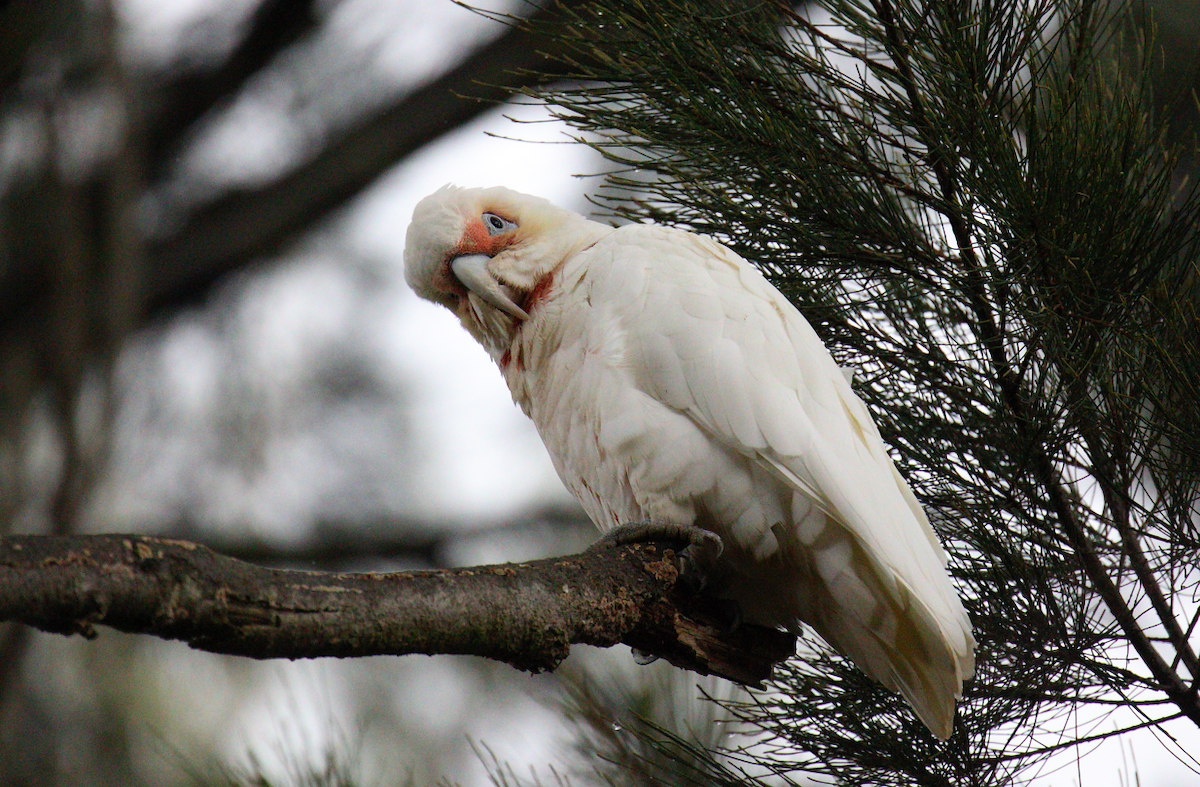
<point x="476" y="240"/>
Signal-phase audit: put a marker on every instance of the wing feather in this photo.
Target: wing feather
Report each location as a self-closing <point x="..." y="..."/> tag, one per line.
<point x="718" y="343"/>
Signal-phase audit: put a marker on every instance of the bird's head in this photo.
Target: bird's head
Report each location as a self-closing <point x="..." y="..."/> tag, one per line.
<point x="484" y="253"/>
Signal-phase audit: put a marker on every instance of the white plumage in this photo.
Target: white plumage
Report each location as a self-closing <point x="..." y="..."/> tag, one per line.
<point x="671" y="382"/>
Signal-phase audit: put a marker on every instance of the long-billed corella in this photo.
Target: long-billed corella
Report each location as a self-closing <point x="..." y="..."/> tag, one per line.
<point x="672" y="383"/>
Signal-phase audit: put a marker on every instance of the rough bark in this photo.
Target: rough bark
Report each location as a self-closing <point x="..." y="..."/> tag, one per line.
<point x="526" y="614"/>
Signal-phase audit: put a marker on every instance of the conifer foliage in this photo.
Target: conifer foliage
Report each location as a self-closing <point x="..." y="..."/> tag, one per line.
<point x="973" y="204"/>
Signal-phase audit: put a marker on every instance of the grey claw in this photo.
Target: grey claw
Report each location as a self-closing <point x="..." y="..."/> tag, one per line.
<point x="708" y="543"/>
<point x="632" y="532"/>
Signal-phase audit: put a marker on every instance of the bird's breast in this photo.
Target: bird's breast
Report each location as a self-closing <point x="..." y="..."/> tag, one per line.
<point x="626" y="455"/>
<point x="564" y="371"/>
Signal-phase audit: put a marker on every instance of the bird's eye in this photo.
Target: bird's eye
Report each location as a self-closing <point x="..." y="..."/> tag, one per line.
<point x="496" y="224"/>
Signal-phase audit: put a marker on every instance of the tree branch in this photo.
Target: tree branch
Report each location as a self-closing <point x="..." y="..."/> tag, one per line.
<point x="526" y="614"/>
<point x="274" y="25"/>
<point x="242" y="225"/>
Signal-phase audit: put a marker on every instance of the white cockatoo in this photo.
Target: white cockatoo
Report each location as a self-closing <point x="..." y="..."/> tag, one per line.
<point x="671" y="383"/>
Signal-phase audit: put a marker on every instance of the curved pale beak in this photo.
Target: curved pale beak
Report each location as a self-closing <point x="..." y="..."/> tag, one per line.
<point x="471" y="270"/>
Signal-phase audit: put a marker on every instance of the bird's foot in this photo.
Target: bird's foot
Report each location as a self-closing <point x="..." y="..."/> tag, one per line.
<point x="699" y="571"/>
<point x="697" y="559"/>
<point x="632" y="532"/>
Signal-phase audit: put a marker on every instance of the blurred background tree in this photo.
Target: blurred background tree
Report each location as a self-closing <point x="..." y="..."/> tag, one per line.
<point x="200" y="313"/>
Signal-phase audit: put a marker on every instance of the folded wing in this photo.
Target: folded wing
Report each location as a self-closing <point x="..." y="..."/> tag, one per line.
<point x="717" y="342"/>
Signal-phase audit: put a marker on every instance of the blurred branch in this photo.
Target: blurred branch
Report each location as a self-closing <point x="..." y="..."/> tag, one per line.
<point x="525" y="614"/>
<point x="245" y="224"/>
<point x="14" y="643"/>
<point x="275" y="25"/>
<point x="22" y="24"/>
<point x="335" y="544"/>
